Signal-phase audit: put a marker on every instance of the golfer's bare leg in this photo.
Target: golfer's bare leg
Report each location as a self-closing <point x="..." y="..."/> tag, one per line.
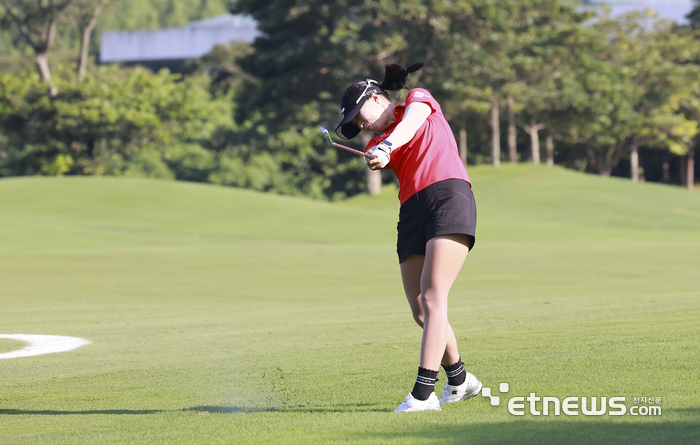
<point x="411" y="269"/>
<point x="444" y="256"/>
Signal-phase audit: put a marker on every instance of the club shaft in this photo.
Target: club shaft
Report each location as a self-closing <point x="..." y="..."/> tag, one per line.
<point x="350" y="149"/>
<point x="328" y="135"/>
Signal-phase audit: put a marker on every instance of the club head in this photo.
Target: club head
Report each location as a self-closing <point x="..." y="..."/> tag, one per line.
<point x="328" y="135"/>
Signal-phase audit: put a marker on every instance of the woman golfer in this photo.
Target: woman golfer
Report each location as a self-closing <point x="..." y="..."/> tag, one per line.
<point x="437" y="220"/>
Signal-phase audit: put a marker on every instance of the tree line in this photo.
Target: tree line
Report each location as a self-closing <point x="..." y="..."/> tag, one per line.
<point x="551" y="81"/>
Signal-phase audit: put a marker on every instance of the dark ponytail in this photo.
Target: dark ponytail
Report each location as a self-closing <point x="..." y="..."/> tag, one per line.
<point x="396" y="76"/>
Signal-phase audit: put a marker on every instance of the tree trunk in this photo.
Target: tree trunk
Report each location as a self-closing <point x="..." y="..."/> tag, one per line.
<point x="463" y="144"/>
<point x="42" y="63"/>
<point x="512" y="133"/>
<point x="90" y="151"/>
<point x="549" y="142"/>
<point x="495" y="132"/>
<point x="535" y="144"/>
<point x="85" y="44"/>
<point x="666" y="172"/>
<point x="690" y="175"/>
<point x="374" y="181"/>
<point x="608" y="162"/>
<point x="84" y="52"/>
<point x="534" y="131"/>
<point x="39" y="31"/>
<point x="683" y="170"/>
<point x="374" y="177"/>
<point x="634" y="161"/>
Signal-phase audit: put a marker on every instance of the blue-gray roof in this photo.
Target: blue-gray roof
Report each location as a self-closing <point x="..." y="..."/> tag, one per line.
<point x="186" y="42"/>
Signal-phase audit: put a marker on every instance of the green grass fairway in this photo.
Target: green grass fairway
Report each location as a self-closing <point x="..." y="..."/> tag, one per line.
<point x="222" y="316"/>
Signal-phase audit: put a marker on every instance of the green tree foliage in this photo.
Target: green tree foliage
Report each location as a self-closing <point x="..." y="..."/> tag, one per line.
<point x="638" y="73"/>
<point x="36" y="22"/>
<point x="604" y="88"/>
<point x="154" y="14"/>
<point x="84" y="15"/>
<point x="552" y="47"/>
<point x="298" y="72"/>
<point x="694" y="15"/>
<point x="91" y="128"/>
<point x="117" y="15"/>
<point x="601" y="87"/>
<point x="221" y="65"/>
<point x="490" y="50"/>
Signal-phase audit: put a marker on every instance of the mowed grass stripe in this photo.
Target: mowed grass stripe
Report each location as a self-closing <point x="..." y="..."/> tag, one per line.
<point x="109" y="210"/>
<point x="210" y="324"/>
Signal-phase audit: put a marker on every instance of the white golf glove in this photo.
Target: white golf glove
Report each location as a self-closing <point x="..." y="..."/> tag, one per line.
<point x="383" y="153"/>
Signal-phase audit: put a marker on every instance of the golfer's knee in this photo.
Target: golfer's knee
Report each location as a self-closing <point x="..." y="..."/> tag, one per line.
<point x="433" y="301"/>
<point x="418" y="316"/>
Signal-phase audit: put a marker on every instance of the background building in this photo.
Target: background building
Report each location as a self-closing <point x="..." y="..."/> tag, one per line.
<point x="170" y="48"/>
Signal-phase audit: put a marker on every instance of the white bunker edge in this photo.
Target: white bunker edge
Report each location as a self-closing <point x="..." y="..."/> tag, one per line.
<point x="42" y="344"/>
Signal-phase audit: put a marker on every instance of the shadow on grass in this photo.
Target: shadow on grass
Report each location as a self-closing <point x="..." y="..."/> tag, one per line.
<point x="292" y="409"/>
<point x="694" y="411"/>
<point x="531" y="432"/>
<point x="204" y="409"/>
<point x="227" y="409"/>
<point x="17" y="412"/>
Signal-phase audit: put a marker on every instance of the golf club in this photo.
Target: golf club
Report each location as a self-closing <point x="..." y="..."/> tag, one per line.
<point x="328" y="135"/>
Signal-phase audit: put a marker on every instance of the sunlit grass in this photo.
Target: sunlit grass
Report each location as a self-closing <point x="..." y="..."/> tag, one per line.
<point x="218" y="315"/>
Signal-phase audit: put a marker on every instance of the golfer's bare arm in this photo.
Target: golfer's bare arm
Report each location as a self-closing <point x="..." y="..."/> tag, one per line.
<point x="415" y="115"/>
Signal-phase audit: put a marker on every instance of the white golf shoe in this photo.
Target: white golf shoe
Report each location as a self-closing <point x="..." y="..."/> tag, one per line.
<point x="471" y="387"/>
<point x="411" y="404"/>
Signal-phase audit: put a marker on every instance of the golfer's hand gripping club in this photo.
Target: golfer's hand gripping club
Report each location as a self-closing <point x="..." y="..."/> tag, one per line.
<point x="382" y="153"/>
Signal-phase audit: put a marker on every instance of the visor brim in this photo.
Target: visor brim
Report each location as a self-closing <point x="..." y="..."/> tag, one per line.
<point x="346" y="130"/>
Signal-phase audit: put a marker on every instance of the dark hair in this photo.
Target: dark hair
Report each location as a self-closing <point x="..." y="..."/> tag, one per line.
<point x="395" y="76"/>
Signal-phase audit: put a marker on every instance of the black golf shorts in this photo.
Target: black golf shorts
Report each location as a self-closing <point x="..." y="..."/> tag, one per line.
<point x="446" y="207"/>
